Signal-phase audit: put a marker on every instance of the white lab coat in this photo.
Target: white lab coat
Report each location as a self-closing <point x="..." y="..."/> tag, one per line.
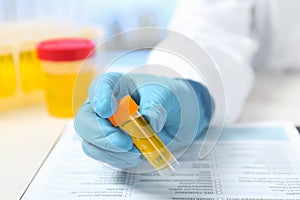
<point x="239" y="35"/>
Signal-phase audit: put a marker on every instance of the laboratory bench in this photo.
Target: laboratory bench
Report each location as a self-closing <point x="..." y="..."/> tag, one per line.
<point x="28" y="133"/>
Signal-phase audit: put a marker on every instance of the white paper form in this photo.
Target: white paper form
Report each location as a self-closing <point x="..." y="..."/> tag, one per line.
<point x="249" y="162"/>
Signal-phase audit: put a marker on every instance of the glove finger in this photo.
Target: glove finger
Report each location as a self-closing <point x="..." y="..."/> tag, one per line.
<point x="155" y="105"/>
<point x="101" y="94"/>
<point x="100" y="132"/>
<point x="119" y="160"/>
<point x="155" y="114"/>
<point x="105" y="91"/>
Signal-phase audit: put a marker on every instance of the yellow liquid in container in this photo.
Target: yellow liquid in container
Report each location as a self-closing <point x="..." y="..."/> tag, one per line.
<point x="68" y="65"/>
<point x="8" y="82"/>
<point x="144" y="137"/>
<point x="149" y="143"/>
<point x="59" y="92"/>
<point x="32" y="77"/>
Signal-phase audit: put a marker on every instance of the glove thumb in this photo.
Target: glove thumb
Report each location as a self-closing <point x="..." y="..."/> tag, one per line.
<point x="101" y="94"/>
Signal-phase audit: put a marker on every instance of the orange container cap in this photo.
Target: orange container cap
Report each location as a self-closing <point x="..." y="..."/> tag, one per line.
<point x="126" y="108"/>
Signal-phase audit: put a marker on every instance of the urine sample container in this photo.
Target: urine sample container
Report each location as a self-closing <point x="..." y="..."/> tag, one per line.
<point x="62" y="61"/>
<point x="32" y="77"/>
<point x="8" y="80"/>
<point x="128" y="119"/>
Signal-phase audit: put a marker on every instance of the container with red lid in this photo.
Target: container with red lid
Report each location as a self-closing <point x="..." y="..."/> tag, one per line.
<point x="64" y="60"/>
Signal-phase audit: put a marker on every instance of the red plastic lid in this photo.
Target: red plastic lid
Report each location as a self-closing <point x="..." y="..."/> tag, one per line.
<point x="67" y="49"/>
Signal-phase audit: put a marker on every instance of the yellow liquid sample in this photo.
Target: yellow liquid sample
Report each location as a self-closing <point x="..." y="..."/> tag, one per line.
<point x="150" y="144"/>
<point x="59" y="92"/>
<point x="32" y="76"/>
<point x="8" y="82"/>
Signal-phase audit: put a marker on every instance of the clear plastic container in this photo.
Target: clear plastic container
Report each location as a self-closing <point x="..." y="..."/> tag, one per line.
<point x="144" y="137"/>
<point x="21" y="75"/>
<point x="8" y="79"/>
<point x="31" y="74"/>
<point x="12" y="88"/>
<point x="61" y="61"/>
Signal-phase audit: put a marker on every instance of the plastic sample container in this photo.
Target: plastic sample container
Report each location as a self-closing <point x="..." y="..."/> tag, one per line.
<point x="21" y="75"/>
<point x="8" y="79"/>
<point x="62" y="61"/>
<point x="32" y="77"/>
<point x="128" y="119"/>
<point x="21" y="79"/>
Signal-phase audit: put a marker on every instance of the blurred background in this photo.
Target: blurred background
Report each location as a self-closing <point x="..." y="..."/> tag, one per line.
<point x="25" y="23"/>
<point x="113" y="16"/>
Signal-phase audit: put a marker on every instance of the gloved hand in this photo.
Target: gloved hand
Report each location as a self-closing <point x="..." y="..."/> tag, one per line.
<point x="177" y="109"/>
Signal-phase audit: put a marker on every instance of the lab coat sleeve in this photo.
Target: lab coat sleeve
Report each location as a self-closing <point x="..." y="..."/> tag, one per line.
<point x="278" y="32"/>
<point x="223" y="29"/>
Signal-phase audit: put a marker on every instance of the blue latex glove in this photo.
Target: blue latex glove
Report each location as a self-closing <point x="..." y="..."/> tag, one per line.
<point x="172" y="106"/>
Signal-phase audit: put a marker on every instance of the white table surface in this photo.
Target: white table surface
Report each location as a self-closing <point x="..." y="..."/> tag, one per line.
<point x="27" y="134"/>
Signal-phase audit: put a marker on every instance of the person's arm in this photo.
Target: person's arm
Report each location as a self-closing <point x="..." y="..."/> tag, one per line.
<point x="179" y="109"/>
<point x="277" y="29"/>
<point x="223" y="28"/>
